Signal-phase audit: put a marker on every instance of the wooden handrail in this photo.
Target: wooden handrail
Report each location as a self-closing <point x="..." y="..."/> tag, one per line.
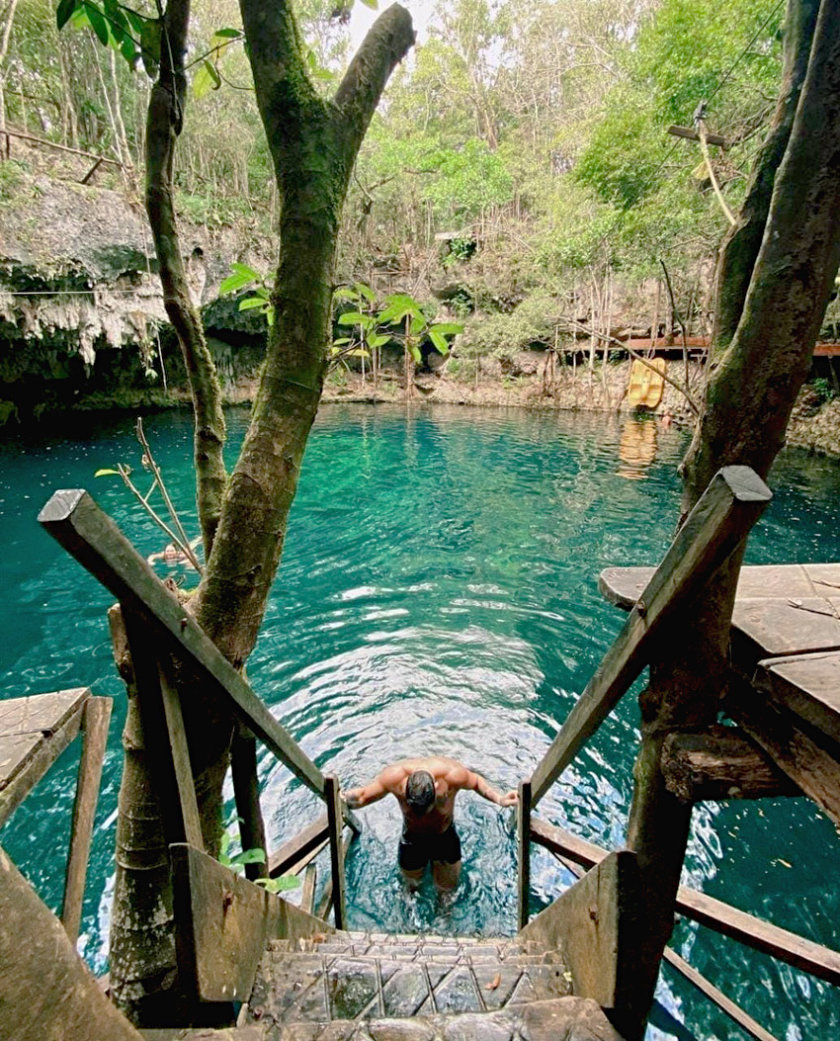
<point x="786" y="946"/>
<point x="90" y="536"/>
<point x="722" y="518"/>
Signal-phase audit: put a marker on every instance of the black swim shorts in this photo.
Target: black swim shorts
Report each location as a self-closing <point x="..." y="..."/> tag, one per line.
<point x="417" y="850"/>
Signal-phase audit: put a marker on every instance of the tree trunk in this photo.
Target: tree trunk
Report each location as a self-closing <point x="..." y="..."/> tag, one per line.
<point x="749" y="401"/>
<point x="314" y="145"/>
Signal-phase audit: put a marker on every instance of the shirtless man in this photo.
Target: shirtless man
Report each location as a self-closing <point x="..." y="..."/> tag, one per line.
<point x="426" y="790"/>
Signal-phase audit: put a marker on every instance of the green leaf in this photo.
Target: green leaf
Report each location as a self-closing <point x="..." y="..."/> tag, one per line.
<point x="279" y="885"/>
<point x="65" y="9"/>
<point x="242" y="276"/>
<point x="372" y="4"/>
<point x="342" y="340"/>
<point x="439" y="340"/>
<point x="150" y="36"/>
<point x="250" y="303"/>
<point x="128" y="49"/>
<point x="248" y="856"/>
<point x="416" y="354"/>
<point x="345" y="293"/>
<point x="206" y="79"/>
<point x="96" y="20"/>
<point x="448" y="328"/>
<point x="354" y="318"/>
<point x="375" y="340"/>
<point x="136" y="21"/>
<point x="364" y="290"/>
<point x="107" y="473"/>
<point x="228" y="34"/>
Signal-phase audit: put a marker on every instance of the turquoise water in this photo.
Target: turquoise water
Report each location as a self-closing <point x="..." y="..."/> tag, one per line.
<point x="438" y="594"/>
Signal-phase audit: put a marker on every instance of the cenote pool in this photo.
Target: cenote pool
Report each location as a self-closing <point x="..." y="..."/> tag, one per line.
<point x="439" y="593"/>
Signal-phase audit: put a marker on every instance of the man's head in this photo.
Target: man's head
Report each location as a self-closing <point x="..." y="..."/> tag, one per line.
<point x="420" y="791"/>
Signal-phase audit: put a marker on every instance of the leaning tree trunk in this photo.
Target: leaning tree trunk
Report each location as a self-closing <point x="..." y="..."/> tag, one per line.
<point x="314" y="143"/>
<point x="749" y="401"/>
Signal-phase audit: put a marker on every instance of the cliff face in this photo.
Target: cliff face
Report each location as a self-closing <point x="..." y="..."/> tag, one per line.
<point x="81" y="315"/>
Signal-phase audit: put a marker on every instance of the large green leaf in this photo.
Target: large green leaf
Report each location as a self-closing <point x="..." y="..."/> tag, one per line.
<point x="355" y="318"/>
<point x="252" y="302"/>
<point x="65" y="9"/>
<point x="448" y="328"/>
<point x="363" y="289"/>
<point x="439" y="340"/>
<point x="207" y="78"/>
<point x="242" y="276"/>
<point x="96" y="20"/>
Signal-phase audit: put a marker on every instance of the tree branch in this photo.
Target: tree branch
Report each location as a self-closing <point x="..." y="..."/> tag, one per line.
<point x="164" y="122"/>
<point x="386" y="44"/>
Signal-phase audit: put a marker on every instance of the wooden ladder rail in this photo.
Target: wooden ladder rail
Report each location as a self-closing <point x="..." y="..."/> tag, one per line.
<point x="722" y="518"/>
<point x="89" y="535"/>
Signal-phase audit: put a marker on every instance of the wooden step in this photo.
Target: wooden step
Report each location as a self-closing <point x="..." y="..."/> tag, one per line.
<point x="360" y="976"/>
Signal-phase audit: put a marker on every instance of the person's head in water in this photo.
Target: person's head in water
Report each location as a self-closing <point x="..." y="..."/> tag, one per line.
<point x="420" y="791"/>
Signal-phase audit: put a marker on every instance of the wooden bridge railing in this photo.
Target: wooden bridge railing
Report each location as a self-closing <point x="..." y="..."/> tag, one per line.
<point x="717" y="525"/>
<point x="159" y="631"/>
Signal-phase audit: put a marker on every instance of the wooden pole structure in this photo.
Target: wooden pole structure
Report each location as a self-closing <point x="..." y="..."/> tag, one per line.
<point x="523" y="832"/>
<point x="335" y="819"/>
<point x="246" y="792"/>
<point x="95" y="720"/>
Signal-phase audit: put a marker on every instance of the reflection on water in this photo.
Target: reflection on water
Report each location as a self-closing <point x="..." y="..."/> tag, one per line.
<point x="439" y="594"/>
<point x="637" y="447"/>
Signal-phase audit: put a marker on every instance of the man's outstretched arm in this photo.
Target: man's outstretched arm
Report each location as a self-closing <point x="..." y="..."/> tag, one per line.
<point x="474" y="782"/>
<point x="385" y="784"/>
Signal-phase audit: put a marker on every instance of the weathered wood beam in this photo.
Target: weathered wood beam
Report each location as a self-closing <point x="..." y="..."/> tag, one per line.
<point x="307" y="895"/>
<point x="794" y="950"/>
<point x="596" y="924"/>
<point x="721" y="763"/>
<point x="691" y="135"/>
<point x="523" y="835"/>
<point x="727" y="510"/>
<point x="310" y="840"/>
<point x="326" y="900"/>
<point x="705" y="986"/>
<point x="41" y="738"/>
<point x="336" y="824"/>
<point x="76" y="522"/>
<point x="222" y="924"/>
<point x="811" y="763"/>
<point x="47" y="990"/>
<point x="95" y="720"/>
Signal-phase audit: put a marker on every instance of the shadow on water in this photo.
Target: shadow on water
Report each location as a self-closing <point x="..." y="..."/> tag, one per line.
<point x="439" y="594"/>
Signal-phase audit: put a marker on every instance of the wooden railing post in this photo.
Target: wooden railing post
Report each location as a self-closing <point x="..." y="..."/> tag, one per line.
<point x="523" y="831"/>
<point x="246" y="792"/>
<point x="336" y="824"/>
<point x="95" y="719"/>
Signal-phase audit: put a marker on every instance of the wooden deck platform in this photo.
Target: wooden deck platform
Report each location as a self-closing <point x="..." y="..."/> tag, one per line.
<point x="786" y="646"/>
<point x="34" y="731"/>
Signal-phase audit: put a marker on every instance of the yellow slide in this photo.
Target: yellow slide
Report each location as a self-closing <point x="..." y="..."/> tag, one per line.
<point x="646" y="383"/>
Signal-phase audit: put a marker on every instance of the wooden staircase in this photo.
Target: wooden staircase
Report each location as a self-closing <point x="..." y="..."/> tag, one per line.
<point x="375" y="987"/>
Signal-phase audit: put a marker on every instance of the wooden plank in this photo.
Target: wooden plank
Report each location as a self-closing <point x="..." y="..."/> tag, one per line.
<point x="307" y="896"/>
<point x="707" y="988"/>
<point x="807" y="685"/>
<point x="48" y="993"/>
<point x="596" y="925"/>
<point x="95" y="720"/>
<point x="722" y="518"/>
<point x="761" y="936"/>
<point x="720" y="763"/>
<point x="246" y="792"/>
<point x="814" y="765"/>
<point x="691" y="135"/>
<point x="336" y="822"/>
<point x="91" y="537"/>
<point x="776" y="628"/>
<point x="523" y="835"/>
<point x="724" y="1003"/>
<point x="222" y="924"/>
<point x="312" y="838"/>
<point x="27" y="755"/>
<point x="323" y="909"/>
<point x="180" y="753"/>
<point x="623" y="586"/>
